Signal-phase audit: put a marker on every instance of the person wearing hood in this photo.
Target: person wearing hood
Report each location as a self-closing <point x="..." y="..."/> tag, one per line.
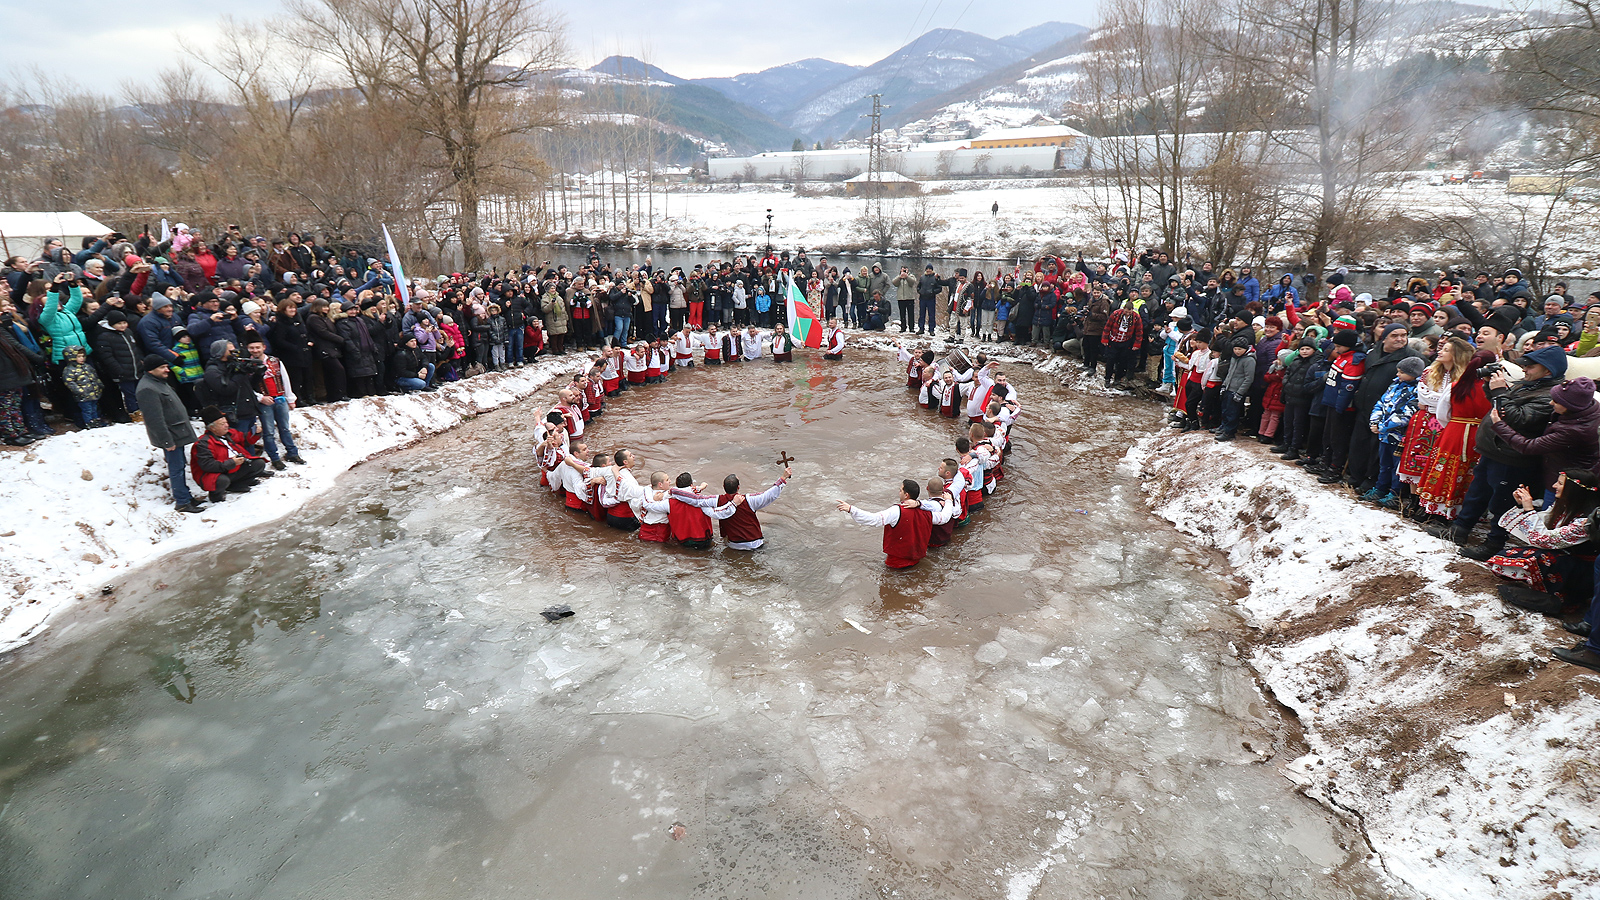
<point x="1523" y="409"/>
<point x="1283" y="293"/>
<point x="117" y="356"/>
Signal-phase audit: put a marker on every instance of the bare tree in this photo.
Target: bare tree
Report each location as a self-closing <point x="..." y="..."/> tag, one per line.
<point x="464" y="69"/>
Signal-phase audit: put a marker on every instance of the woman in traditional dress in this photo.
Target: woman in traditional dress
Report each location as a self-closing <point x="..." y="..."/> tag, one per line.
<point x="1444" y="484"/>
<point x="1433" y="410"/>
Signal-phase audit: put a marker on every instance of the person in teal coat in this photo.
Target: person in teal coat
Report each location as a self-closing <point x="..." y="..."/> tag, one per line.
<point x="60" y="319"/>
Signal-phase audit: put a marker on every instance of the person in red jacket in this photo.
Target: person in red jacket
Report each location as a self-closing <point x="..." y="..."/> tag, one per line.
<point x="222" y="461"/>
<point x="906" y="526"/>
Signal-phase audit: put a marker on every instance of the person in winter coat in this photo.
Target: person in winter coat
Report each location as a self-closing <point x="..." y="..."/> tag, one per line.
<point x="155" y="329"/>
<point x="1282" y="294"/>
<point x="292" y="344"/>
<point x="166" y="423"/>
<point x="412" y="373"/>
<point x="1338" y="396"/>
<point x="361" y="352"/>
<point x="60" y="318"/>
<point x="1300" y="384"/>
<point x="328" y="346"/>
<point x="1378" y="373"/>
<point x="1122" y="335"/>
<point x="557" y="323"/>
<point x="1388" y="422"/>
<point x="116" y="354"/>
<point x="222" y="461"/>
<point x="1572" y="440"/>
<point x="17" y="364"/>
<point x="1094" y="323"/>
<point x="1524" y="408"/>
<point x="85" y="386"/>
<point x="1272" y="405"/>
<point x="1236" y="386"/>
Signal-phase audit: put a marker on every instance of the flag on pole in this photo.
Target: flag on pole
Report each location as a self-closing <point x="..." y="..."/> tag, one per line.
<point x="399" y="273"/>
<point x="804" y="327"/>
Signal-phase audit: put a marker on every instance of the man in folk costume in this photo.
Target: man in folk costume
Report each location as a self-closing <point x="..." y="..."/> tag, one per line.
<point x="611" y="371"/>
<point x="989" y="386"/>
<point x="712" y="342"/>
<point x="907" y="527"/>
<point x="833" y="340"/>
<point x="655" y="364"/>
<point x="944" y="507"/>
<point x="915" y="365"/>
<point x="782" y="346"/>
<point x="955" y="484"/>
<point x="732" y="348"/>
<point x="635" y="363"/>
<point x="741" y="529"/>
<point x="949" y="388"/>
<point x="551" y="443"/>
<point x="972" y="473"/>
<point x="594" y="391"/>
<point x="683" y="344"/>
<point x="985" y="452"/>
<point x="690" y="512"/>
<point x="621" y="492"/>
<point x="570" y="411"/>
<point x="928" y="394"/>
<point x="654" y="510"/>
<point x="573" y="475"/>
<point x="750" y="343"/>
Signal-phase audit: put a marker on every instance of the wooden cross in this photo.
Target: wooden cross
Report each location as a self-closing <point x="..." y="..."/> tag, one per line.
<point x="784" y="459"/>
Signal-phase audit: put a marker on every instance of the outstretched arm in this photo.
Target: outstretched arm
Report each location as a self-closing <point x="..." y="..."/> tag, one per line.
<point x="890" y="516"/>
<point x="767" y="496"/>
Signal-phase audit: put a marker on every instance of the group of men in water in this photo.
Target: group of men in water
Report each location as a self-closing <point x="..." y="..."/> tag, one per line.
<point x="606" y="487"/>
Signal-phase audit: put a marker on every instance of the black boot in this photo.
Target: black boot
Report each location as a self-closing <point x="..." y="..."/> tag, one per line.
<point x="1531" y="600"/>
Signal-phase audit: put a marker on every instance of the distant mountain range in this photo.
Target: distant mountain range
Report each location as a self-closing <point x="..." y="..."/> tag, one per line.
<point x="815" y="100"/>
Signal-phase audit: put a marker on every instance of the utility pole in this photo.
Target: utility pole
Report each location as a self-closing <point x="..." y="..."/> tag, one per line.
<point x="875" y="157"/>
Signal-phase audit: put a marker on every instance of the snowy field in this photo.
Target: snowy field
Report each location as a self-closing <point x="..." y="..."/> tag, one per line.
<point x="1036" y="216"/>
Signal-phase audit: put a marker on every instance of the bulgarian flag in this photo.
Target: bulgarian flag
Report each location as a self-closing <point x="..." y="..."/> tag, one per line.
<point x="805" y="329"/>
<point x="399" y="273"/>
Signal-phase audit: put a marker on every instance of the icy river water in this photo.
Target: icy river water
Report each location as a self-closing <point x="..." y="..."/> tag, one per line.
<point x="363" y="701"/>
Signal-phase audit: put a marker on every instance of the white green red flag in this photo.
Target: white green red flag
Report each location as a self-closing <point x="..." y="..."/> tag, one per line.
<point x="805" y="329"/>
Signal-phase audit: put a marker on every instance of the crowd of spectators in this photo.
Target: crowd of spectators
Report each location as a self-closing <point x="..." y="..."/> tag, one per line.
<point x="1459" y="401"/>
<point x="1456" y="400"/>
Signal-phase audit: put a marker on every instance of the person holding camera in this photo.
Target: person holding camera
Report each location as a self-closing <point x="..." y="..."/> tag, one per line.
<point x="274" y="398"/>
<point x="1524" y="409"/>
<point x="227" y="385"/>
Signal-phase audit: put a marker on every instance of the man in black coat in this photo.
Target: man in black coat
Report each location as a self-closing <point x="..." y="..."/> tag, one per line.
<point x="1361" y="465"/>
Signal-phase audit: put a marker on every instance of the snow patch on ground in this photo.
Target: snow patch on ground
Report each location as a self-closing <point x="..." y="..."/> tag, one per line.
<point x="86" y="507"/>
<point x="1433" y="713"/>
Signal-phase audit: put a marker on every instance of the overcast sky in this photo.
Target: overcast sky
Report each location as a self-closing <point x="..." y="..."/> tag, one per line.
<point x="700" y="38"/>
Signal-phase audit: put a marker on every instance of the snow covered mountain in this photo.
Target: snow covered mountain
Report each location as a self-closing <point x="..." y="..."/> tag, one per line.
<point x="778" y="90"/>
<point x="932" y="64"/>
<point x="1040" y="37"/>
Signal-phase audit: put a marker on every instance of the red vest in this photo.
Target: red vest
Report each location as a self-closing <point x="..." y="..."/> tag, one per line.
<point x="656" y="533"/>
<point x="906" y="541"/>
<point x="740" y="528"/>
<point x="939" y="535"/>
<point x="689" y="523"/>
<point x="914" y="374"/>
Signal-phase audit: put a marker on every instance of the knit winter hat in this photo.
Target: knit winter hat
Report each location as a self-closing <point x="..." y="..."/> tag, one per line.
<point x="1576" y="395"/>
<point x="1552" y="358"/>
<point x="1390" y="329"/>
<point x="211" y="414"/>
<point x="115" y="316"/>
<point x="218" y="348"/>
<point x="160" y="303"/>
<point x="1411" y="365"/>
<point x="1344" y="322"/>
<point x="1345" y="338"/>
<point x="154" y="362"/>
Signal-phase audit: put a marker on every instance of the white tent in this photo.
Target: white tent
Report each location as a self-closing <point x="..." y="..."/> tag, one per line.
<point x="26" y="232"/>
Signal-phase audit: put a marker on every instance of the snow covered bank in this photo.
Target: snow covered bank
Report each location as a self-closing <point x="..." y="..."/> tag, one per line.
<point x="86" y="507"/>
<point x="1434" y="714"/>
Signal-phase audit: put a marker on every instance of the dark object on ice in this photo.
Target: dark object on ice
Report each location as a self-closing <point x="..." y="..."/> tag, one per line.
<point x="107" y="589"/>
<point x="677" y="831"/>
<point x="557" y="613"/>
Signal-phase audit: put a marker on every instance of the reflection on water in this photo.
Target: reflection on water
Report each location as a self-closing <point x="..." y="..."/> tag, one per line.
<point x="365" y="702"/>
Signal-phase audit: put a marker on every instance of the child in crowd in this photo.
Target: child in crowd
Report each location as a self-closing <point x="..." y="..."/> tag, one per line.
<point x="1236" y="387"/>
<point x="85" y="385"/>
<point x="1272" y="400"/>
<point x="1389" y="421"/>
